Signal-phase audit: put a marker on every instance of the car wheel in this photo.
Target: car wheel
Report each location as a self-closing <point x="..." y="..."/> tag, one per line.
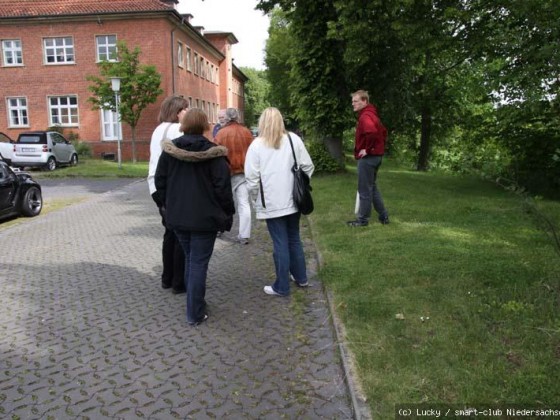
<point x="51" y="164"/>
<point x="32" y="202"/>
<point x="74" y="160"/>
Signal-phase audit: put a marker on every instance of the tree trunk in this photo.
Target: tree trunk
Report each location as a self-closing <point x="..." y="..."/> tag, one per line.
<point x="133" y="144"/>
<point x="334" y="147"/>
<point x="426" y="131"/>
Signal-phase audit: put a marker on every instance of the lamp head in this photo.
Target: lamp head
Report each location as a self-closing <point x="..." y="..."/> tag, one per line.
<point x="116" y="84"/>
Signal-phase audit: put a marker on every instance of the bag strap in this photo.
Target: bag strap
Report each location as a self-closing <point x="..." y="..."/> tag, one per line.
<point x="165" y="132"/>
<point x="262" y="193"/>
<point x="293" y="151"/>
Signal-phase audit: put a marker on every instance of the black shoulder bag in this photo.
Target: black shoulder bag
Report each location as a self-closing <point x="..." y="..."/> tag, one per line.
<point x="302" y="187"/>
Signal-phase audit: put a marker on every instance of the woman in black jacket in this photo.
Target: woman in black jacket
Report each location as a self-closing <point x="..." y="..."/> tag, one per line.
<point x="193" y="181"/>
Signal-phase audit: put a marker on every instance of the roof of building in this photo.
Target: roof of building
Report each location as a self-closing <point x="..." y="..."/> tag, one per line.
<point x="35" y="8"/>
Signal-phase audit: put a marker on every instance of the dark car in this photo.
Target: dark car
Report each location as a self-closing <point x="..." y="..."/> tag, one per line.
<point x="47" y="149"/>
<point x="19" y="193"/>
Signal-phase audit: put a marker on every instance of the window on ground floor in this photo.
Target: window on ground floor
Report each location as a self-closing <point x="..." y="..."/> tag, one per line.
<point x="63" y="110"/>
<point x="17" y="111"/>
<point x="112" y="129"/>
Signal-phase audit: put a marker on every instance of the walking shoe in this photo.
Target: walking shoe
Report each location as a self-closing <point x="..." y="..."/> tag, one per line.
<point x="243" y="241"/>
<point x="270" y="291"/>
<point x="384" y="220"/>
<point x="204" y="318"/>
<point x="356" y="223"/>
<point x="165" y="285"/>
<point x="306" y="284"/>
<point x="179" y="291"/>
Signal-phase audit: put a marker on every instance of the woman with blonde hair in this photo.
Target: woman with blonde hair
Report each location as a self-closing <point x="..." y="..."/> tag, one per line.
<point x="193" y="180"/>
<point x="269" y="177"/>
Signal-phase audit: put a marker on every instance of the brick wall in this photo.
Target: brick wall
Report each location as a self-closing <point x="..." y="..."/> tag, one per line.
<point x="37" y="81"/>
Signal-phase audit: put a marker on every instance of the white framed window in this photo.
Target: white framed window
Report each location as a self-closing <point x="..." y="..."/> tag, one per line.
<point x="111" y="127"/>
<point x="196" y="64"/>
<point x="197" y="103"/>
<point x="190" y="102"/>
<point x="63" y="110"/>
<point x="12" y="52"/>
<point x="202" y="69"/>
<point x="217" y="75"/>
<point x="59" y="50"/>
<point x="106" y="47"/>
<point x="189" y="59"/>
<point x="17" y="112"/>
<point x="180" y="55"/>
<point x="208" y="74"/>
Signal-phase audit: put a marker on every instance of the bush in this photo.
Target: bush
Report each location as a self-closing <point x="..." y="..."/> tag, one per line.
<point x="323" y="161"/>
<point x="82" y="148"/>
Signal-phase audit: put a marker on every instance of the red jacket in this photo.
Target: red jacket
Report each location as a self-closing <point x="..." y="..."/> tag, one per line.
<point x="370" y="133"/>
<point x="237" y="139"/>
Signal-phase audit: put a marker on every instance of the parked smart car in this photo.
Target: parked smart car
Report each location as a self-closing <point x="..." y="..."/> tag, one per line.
<point x="47" y="149"/>
<point x="6" y="148"/>
<point x="20" y="194"/>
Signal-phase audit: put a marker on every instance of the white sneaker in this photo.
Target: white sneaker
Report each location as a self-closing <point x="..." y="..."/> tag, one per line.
<point x="306" y="284"/>
<point x="270" y="291"/>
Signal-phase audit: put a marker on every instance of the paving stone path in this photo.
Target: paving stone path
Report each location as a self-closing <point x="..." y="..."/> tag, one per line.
<point x="87" y="332"/>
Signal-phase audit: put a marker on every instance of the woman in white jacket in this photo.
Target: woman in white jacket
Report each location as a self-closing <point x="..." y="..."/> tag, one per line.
<point x="270" y="181"/>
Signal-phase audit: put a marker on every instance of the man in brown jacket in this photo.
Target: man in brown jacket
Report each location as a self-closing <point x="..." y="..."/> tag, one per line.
<point x="237" y="139"/>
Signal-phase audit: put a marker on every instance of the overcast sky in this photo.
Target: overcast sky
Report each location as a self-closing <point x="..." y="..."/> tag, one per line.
<point x="249" y="26"/>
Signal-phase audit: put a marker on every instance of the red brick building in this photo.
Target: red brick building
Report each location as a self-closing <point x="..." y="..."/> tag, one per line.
<point x="49" y="47"/>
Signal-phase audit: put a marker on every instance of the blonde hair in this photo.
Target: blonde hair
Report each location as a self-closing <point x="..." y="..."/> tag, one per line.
<point x="362" y="94"/>
<point x="271" y="127"/>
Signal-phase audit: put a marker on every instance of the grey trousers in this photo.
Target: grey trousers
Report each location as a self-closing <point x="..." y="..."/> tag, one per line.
<point x="367" y="188"/>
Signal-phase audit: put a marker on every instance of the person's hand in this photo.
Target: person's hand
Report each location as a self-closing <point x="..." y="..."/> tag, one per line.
<point x="362" y="153"/>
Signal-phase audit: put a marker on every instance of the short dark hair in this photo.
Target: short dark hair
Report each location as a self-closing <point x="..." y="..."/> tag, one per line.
<point x="195" y="121"/>
<point x="170" y="108"/>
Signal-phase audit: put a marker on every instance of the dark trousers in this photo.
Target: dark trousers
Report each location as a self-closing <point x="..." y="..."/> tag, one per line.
<point x="198" y="248"/>
<point x="173" y="258"/>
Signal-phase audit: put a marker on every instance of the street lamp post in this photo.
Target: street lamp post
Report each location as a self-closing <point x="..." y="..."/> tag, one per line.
<point x="116" y="86"/>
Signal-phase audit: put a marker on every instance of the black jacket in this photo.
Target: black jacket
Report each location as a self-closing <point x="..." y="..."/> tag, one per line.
<point x="193" y="181"/>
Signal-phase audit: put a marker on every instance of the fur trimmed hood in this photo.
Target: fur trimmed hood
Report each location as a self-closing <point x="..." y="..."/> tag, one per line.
<point x="187" y="155"/>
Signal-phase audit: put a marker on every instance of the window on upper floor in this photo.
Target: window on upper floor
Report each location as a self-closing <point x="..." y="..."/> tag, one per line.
<point x="190" y="102"/>
<point x="63" y="110"/>
<point x="59" y="50"/>
<point x="189" y="59"/>
<point x="202" y="69"/>
<point x="106" y="47"/>
<point x="12" y="52"/>
<point x="196" y="64"/>
<point x="17" y="111"/>
<point x="180" y="55"/>
<point x="197" y="103"/>
<point x="208" y="73"/>
<point x="217" y="76"/>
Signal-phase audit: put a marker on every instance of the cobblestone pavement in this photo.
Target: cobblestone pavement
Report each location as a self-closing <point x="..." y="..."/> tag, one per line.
<point x="87" y="332"/>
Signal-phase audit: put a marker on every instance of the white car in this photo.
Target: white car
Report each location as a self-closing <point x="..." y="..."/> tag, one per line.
<point x="6" y="148"/>
<point x="47" y="149"/>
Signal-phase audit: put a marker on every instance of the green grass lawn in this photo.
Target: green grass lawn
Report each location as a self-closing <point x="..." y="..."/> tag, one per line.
<point x="456" y="301"/>
<point x="93" y="168"/>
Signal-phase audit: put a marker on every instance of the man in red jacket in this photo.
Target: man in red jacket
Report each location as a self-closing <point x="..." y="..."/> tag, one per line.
<point x="237" y="139"/>
<point x="368" y="150"/>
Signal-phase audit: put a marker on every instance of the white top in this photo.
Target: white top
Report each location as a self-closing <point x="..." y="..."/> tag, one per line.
<point x="273" y="168"/>
<point x="155" y="148"/>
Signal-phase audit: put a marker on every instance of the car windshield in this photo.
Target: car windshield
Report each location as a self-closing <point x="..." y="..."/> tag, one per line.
<point x="32" y="139"/>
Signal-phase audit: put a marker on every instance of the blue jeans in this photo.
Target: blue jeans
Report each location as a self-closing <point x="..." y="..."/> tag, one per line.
<point x="198" y="248"/>
<point x="287" y="251"/>
<point x="367" y="188"/>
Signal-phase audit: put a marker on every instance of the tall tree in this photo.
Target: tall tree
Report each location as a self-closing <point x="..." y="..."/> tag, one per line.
<point x="256" y="94"/>
<point x="140" y="86"/>
<point x="318" y="88"/>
